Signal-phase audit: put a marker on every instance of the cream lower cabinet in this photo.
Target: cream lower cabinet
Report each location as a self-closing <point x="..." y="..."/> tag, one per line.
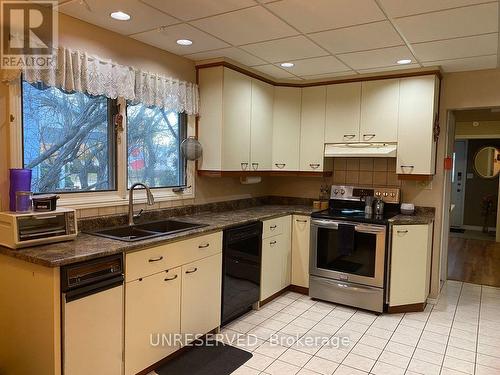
<point x="201" y="295"/>
<point x="276" y="257"/>
<point x="300" y="250"/>
<point x="410" y="264"/>
<point x="152" y="309"/>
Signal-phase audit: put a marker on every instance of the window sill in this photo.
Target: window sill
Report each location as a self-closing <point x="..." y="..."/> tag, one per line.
<point x="113" y="199"/>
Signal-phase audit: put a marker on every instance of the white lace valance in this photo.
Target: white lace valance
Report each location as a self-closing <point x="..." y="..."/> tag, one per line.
<point x="78" y="71"/>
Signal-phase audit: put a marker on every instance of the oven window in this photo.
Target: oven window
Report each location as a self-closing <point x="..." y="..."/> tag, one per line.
<point x="361" y="261"/>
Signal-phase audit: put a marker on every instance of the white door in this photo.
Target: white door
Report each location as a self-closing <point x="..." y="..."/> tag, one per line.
<point x="458" y="183"/>
<point x="236" y="116"/>
<point x="343" y="109"/>
<point x="312" y="128"/>
<point x="379" y="111"/>
<point x="261" y="126"/>
<point x="286" y="128"/>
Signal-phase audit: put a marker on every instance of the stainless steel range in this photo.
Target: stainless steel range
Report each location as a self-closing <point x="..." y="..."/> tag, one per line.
<point x="349" y="245"/>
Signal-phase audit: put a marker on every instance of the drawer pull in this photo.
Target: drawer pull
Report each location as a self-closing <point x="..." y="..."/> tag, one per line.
<point x="314" y="166"/>
<point x="370" y="136"/>
<point x="151" y="260"/>
<point x="192" y="270"/>
<point x="272" y="243"/>
<point x="204" y="246"/>
<point x="349" y="136"/>
<point x="403" y="231"/>
<point x="273" y="227"/>
<point x="300" y="221"/>
<point x="280" y="165"/>
<point x="171" y="278"/>
<point x="255" y="166"/>
<point x="407" y="166"/>
<point x="244" y="166"/>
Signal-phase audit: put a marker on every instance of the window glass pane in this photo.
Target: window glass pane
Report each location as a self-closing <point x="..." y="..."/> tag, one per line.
<point x="67" y="141"/>
<point x="153" y="136"/>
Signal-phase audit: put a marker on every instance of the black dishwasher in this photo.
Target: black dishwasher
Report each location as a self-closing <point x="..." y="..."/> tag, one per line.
<point x="242" y="253"/>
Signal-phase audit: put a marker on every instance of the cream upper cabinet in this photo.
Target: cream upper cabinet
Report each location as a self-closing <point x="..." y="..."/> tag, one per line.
<point x="300" y="250"/>
<point x="312" y="128"/>
<point x="201" y="295"/>
<point x="153" y="306"/>
<point x="225" y="114"/>
<point x="237" y="101"/>
<point x="276" y="257"/>
<point x="286" y="128"/>
<point x="379" y="111"/>
<point x="343" y="108"/>
<point x="261" y="125"/>
<point x="410" y="264"/>
<point x="418" y="106"/>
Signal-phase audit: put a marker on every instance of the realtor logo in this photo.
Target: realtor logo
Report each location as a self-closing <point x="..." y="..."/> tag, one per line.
<point x="29" y="34"/>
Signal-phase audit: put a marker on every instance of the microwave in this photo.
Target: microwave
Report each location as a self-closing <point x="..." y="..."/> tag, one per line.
<point x="23" y="229"/>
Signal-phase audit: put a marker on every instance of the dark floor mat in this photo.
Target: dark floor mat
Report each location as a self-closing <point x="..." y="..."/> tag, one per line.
<point x="457" y="230"/>
<point x="206" y="360"/>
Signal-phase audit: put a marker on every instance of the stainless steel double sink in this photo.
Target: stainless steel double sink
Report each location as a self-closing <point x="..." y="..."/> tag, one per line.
<point x="145" y="231"/>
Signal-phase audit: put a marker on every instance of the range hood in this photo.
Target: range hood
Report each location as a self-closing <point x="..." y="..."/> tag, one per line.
<point x="360" y="150"/>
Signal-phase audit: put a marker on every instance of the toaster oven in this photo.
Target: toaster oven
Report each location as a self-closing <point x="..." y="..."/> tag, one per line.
<point x="25" y="229"/>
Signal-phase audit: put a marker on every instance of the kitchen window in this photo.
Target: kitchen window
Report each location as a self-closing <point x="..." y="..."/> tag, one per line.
<point x="72" y="144"/>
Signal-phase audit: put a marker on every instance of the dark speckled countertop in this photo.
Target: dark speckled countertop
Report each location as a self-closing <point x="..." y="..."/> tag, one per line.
<point x="87" y="246"/>
<point x="422" y="215"/>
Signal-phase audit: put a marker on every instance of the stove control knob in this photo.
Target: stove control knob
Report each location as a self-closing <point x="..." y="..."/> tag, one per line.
<point x="342" y="191"/>
<point x="386" y="194"/>
<point x="335" y="191"/>
<point x="378" y="193"/>
<point x="393" y="194"/>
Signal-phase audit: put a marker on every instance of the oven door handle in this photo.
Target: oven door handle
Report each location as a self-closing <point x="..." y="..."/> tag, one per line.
<point x="369" y="229"/>
<point x="325" y="223"/>
<point x="361" y="228"/>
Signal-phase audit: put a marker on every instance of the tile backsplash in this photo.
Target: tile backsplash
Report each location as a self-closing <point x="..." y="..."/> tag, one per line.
<point x="365" y="171"/>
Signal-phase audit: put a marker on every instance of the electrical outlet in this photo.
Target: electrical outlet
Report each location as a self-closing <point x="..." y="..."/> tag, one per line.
<point x="425" y="185"/>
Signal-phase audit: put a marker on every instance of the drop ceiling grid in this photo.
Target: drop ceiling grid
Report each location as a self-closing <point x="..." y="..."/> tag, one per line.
<point x="473" y="46"/>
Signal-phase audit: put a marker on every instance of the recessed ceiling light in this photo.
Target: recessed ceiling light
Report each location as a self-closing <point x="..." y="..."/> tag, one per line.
<point x="120" y="16"/>
<point x="287" y="65"/>
<point x="184" y="42"/>
<point x="404" y="61"/>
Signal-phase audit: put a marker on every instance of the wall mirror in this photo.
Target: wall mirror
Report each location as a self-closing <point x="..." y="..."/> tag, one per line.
<point x="486" y="163"/>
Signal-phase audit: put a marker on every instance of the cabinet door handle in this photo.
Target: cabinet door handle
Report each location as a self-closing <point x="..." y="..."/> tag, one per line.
<point x="314" y="165"/>
<point x="403" y="231"/>
<point x="170" y="278"/>
<point x="203" y="246"/>
<point x="407" y="166"/>
<point x="280" y="165"/>
<point x="273" y="227"/>
<point x="244" y="166"/>
<point x="300" y="221"/>
<point x="349" y="136"/>
<point x="370" y="136"/>
<point x="272" y="243"/>
<point x="157" y="259"/>
<point x="192" y="270"/>
<point x="255" y="166"/>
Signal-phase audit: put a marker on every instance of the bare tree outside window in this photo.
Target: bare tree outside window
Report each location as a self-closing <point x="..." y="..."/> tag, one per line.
<point x="67" y="140"/>
<point x="153" y="138"/>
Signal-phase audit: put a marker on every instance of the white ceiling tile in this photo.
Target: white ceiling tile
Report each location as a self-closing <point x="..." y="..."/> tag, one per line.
<point x="143" y="17"/>
<point x="389" y="68"/>
<point x="468" y="63"/>
<point x="330" y="75"/>
<point x="317" y="65"/>
<point x="273" y="71"/>
<point x="166" y="39"/>
<point x="376" y="58"/>
<point x="297" y="47"/>
<point x="399" y="8"/>
<point x="246" y="26"/>
<point x="233" y="53"/>
<point x="192" y="9"/>
<point x="315" y="15"/>
<point x="456" y="48"/>
<point x="473" y="20"/>
<point x="358" y="38"/>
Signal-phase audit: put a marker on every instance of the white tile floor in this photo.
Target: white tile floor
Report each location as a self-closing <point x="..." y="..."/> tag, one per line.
<point x="459" y="335"/>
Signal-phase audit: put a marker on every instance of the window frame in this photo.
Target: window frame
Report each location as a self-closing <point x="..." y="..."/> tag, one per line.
<point x="96" y="199"/>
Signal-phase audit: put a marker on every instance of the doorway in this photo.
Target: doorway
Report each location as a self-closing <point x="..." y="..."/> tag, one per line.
<point x="473" y="254"/>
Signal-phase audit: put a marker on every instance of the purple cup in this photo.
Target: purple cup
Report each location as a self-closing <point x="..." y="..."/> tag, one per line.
<point x="20" y="180"/>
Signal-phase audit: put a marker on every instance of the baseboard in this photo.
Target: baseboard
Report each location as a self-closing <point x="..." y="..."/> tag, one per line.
<point x="477" y="228"/>
<point x="415" y="307"/>
<point x="289" y="288"/>
<point x="299" y="289"/>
